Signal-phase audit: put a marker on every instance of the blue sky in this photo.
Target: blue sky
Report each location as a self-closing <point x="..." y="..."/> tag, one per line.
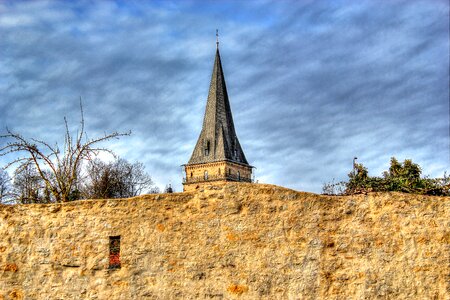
<point x="312" y="84"/>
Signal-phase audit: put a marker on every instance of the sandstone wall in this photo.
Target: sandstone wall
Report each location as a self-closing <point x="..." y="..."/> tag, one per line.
<point x="234" y="241"/>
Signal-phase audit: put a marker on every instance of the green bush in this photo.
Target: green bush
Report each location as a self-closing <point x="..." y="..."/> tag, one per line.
<point x="401" y="177"/>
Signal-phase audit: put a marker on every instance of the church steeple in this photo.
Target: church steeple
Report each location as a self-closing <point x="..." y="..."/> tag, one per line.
<point x="218" y="139"/>
<point x="218" y="143"/>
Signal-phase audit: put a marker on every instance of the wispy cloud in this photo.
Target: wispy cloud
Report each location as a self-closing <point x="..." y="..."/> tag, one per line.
<point x="312" y="83"/>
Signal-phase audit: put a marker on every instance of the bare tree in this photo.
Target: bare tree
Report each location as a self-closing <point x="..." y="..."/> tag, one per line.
<point x="154" y="190"/>
<point x="117" y="179"/>
<point x="5" y="187"/>
<point x="29" y="187"/>
<point x="58" y="169"/>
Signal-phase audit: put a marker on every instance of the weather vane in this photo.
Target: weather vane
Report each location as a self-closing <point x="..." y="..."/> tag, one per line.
<point x="217" y="38"/>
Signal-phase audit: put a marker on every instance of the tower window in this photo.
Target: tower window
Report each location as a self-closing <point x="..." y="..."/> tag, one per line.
<point x="114" y="252"/>
<point x="207" y="148"/>
<point x="219" y="171"/>
<point x="192" y="174"/>
<point x="206" y="175"/>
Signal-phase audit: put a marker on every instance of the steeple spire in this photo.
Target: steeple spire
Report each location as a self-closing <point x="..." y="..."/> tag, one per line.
<point x="218" y="140"/>
<point x="218" y="155"/>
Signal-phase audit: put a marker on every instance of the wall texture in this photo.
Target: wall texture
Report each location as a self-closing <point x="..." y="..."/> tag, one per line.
<point x="233" y="241"/>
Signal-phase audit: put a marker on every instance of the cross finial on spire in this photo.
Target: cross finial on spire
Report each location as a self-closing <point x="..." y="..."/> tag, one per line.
<point x="217" y="38"/>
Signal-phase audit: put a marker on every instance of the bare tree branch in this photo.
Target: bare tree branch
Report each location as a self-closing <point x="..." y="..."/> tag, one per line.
<point x="58" y="171"/>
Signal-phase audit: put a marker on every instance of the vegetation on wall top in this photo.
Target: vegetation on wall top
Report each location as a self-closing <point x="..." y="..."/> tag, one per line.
<point x="401" y="177"/>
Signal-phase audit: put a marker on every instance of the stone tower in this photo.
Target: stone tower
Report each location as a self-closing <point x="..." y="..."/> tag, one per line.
<point x="217" y="156"/>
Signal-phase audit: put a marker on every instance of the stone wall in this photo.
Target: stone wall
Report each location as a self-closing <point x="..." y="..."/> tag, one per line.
<point x="232" y="241"/>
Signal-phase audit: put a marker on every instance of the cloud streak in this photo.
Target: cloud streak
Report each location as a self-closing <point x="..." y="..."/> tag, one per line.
<point x="311" y="84"/>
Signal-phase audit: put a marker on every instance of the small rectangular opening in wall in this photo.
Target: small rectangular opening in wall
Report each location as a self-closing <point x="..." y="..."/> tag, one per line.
<point x="114" y="252"/>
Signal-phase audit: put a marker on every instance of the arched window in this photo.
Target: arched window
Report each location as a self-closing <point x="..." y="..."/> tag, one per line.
<point x="239" y="175"/>
<point x="206" y="175"/>
<point x="229" y="171"/>
<point x="192" y="174"/>
<point x="219" y="171"/>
